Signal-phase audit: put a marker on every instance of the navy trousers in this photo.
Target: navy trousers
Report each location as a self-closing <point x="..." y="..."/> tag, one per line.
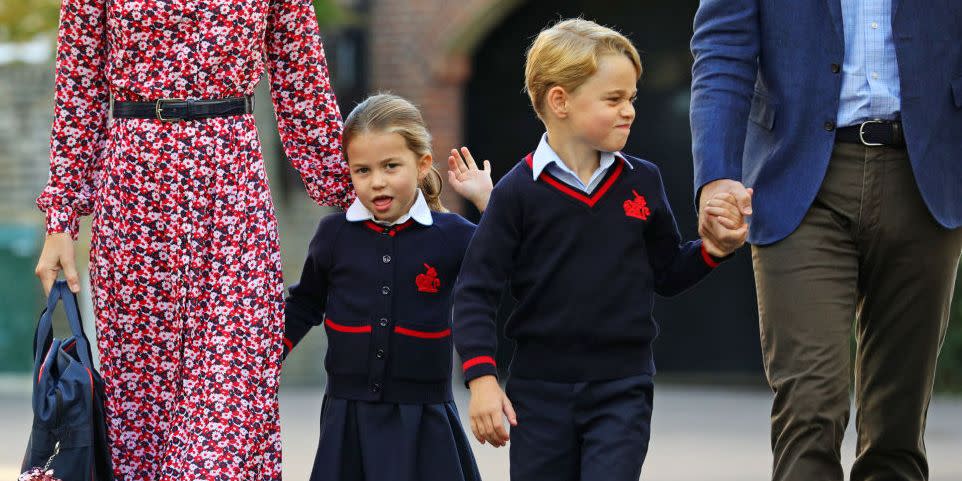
<point x="585" y="431"/>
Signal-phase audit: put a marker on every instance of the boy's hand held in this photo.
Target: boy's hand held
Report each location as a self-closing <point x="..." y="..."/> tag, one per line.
<point x="488" y="406"/>
<point x="723" y="240"/>
<point x="724" y="228"/>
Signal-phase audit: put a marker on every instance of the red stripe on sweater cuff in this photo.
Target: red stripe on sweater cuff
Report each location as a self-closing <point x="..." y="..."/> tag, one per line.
<point x="708" y="258"/>
<point x="288" y="344"/>
<point x="478" y="360"/>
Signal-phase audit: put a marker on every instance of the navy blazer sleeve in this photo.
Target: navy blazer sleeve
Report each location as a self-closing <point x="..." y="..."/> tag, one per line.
<point x="726" y="46"/>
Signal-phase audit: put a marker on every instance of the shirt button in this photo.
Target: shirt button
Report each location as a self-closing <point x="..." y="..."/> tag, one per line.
<point x="874" y="24"/>
<point x="386" y="259"/>
<point x="380" y="353"/>
<point x="383" y="322"/>
<point x="829" y="126"/>
<point x="385" y="290"/>
<point x="875" y="75"/>
<point x="836" y="68"/>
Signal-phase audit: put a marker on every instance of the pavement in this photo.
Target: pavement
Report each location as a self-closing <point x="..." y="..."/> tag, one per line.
<point x="699" y="433"/>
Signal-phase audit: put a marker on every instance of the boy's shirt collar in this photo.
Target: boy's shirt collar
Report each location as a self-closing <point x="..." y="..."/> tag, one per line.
<point x="544" y="155"/>
<point x="420" y="212"/>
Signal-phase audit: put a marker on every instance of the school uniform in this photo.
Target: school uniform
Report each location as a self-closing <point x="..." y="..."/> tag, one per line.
<point x="583" y="262"/>
<point x="383" y="294"/>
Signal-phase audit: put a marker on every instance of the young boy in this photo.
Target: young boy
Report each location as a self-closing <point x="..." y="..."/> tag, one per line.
<point x="584" y="237"/>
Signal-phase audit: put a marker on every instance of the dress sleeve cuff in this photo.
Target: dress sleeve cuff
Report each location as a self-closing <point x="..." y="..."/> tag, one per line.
<point x="62" y="220"/>
<point x="332" y="189"/>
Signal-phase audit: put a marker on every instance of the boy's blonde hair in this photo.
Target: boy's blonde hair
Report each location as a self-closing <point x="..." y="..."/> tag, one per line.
<point x="392" y="114"/>
<point x="567" y="53"/>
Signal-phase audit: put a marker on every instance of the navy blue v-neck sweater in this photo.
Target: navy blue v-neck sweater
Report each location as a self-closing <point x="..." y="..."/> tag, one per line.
<point x="583" y="269"/>
<point x="384" y="297"/>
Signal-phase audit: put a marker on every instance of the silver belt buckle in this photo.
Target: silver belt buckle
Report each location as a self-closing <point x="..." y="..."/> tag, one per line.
<point x="861" y="132"/>
<point x="159" y="109"/>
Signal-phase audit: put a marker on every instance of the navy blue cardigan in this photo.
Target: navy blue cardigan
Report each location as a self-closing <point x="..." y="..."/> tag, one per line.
<point x="583" y="270"/>
<point x="384" y="297"/>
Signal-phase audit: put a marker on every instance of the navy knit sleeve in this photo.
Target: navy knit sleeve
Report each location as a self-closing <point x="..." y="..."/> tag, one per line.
<point x="485" y="271"/>
<point x="305" y="304"/>
<point x="677" y="265"/>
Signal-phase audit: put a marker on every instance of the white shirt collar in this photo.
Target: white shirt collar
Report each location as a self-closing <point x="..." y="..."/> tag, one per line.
<point x="545" y="155"/>
<point x="420" y="212"/>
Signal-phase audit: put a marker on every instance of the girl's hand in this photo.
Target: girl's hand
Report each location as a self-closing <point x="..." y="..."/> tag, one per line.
<point x="57" y="255"/>
<point x="488" y="404"/>
<point x="472" y="183"/>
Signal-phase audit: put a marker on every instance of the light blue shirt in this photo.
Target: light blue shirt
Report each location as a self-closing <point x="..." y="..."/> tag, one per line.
<point x="546" y="158"/>
<point x="870" y="72"/>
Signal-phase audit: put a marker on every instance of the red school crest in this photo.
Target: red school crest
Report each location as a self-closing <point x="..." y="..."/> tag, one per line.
<point x="428" y="282"/>
<point x="637" y="207"/>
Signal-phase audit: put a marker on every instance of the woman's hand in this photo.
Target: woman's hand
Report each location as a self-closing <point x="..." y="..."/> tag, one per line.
<point x="57" y="255"/>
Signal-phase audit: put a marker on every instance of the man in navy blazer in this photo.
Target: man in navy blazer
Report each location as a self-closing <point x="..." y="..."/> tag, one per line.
<point x="845" y="118"/>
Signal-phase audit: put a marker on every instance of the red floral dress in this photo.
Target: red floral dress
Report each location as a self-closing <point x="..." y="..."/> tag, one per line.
<point x="185" y="264"/>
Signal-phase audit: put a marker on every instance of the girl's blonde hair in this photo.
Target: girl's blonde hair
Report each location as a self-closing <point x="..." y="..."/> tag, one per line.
<point x="392" y="114"/>
<point x="567" y="53"/>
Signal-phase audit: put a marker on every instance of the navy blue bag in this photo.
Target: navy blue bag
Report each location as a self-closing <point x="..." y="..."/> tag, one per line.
<point x="69" y="433"/>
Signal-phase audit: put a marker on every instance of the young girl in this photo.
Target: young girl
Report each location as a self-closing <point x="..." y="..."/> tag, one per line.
<point x="379" y="277"/>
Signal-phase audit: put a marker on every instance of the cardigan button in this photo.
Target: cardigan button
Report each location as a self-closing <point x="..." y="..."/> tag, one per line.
<point x="376" y="387"/>
<point x="383" y="322"/>
<point x="385" y="290"/>
<point x="380" y="353"/>
<point x="386" y="259"/>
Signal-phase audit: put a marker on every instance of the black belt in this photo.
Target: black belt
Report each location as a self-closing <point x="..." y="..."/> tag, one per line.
<point x="873" y="133"/>
<point x="176" y="110"/>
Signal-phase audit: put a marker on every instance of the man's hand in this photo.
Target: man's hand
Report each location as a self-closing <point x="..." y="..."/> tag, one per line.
<point x="710" y="228"/>
<point x="726" y="224"/>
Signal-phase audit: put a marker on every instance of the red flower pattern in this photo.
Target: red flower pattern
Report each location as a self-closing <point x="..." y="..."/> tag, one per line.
<point x="184" y="264"/>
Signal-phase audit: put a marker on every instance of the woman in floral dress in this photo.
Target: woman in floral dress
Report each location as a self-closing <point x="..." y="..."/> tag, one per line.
<point x="185" y="267"/>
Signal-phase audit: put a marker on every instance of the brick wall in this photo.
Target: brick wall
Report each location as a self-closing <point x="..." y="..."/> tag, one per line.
<point x="420" y="49"/>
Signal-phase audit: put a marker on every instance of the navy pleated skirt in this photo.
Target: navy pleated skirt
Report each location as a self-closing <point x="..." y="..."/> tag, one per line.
<point x="373" y="441"/>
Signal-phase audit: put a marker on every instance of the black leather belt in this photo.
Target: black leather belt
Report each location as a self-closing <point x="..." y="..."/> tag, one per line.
<point x="873" y="133"/>
<point x="177" y="110"/>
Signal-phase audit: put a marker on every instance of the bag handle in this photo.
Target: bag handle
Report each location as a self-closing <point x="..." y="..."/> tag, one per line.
<point x="60" y="292"/>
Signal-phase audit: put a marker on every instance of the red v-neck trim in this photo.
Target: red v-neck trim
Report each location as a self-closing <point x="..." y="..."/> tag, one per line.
<point x="591" y="200"/>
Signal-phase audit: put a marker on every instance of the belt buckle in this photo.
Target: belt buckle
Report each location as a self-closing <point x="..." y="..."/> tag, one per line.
<point x="159" y="109"/>
<point x="861" y="132"/>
